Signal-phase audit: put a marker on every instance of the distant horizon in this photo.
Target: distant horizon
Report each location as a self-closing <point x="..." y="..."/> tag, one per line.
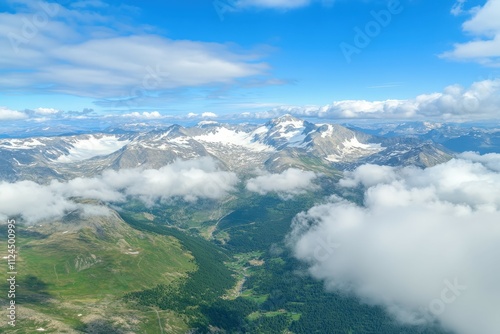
<point x="92" y="125"/>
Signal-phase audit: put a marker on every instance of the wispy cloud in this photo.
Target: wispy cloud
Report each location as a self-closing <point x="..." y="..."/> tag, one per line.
<point x="89" y="3"/>
<point x="76" y="51"/>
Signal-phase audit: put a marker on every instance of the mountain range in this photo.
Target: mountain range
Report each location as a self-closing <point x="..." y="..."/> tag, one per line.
<point x="280" y="143"/>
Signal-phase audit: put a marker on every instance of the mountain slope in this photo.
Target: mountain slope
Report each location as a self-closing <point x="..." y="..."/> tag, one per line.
<point x="74" y="272"/>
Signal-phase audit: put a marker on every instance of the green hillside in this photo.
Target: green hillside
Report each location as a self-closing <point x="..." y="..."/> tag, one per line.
<point x="73" y="275"/>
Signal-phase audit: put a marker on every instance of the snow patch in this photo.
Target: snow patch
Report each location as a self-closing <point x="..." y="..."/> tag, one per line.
<point x="236" y="138"/>
<point x="180" y="140"/>
<point x="21" y="144"/>
<point x="92" y="147"/>
<point x="354" y="143"/>
<point x="328" y="132"/>
<point x="352" y="149"/>
<point x="334" y="158"/>
<point x="297" y="140"/>
<point x="289" y="129"/>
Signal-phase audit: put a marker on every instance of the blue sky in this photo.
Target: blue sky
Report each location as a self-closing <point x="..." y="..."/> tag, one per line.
<point x="251" y="58"/>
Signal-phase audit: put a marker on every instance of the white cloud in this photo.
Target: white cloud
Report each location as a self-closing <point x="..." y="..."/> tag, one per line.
<point x="192" y="179"/>
<point x="208" y="115"/>
<point x="46" y="111"/>
<point x="418" y="233"/>
<point x="144" y="114"/>
<point x="8" y="114"/>
<point x="492" y="160"/>
<point x="369" y="175"/>
<point x="35" y="202"/>
<point x="484" y="19"/>
<point x="92" y="146"/>
<point x="276" y="4"/>
<point x="189" y="180"/>
<point x="484" y="26"/>
<point x="479" y="101"/>
<point x="290" y="182"/>
<point x="75" y="52"/>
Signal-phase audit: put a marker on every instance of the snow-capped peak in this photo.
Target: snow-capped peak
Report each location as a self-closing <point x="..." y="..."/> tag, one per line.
<point x="286" y="120"/>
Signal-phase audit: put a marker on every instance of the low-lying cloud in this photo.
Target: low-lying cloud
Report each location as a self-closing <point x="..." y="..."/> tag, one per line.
<point x="424" y="245"/>
<point x="189" y="180"/>
<point x="288" y="183"/>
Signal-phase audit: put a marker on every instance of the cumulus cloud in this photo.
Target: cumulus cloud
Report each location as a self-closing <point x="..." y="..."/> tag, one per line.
<point x="492" y="160"/>
<point x="479" y="101"/>
<point x="144" y="114"/>
<point x="33" y="201"/>
<point x="288" y="183"/>
<point x="424" y="245"/>
<point x="9" y="114"/>
<point x="484" y="28"/>
<point x="368" y="175"/>
<point x="208" y="115"/>
<point x="46" y="111"/>
<point x="74" y="51"/>
<point x="189" y="180"/>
